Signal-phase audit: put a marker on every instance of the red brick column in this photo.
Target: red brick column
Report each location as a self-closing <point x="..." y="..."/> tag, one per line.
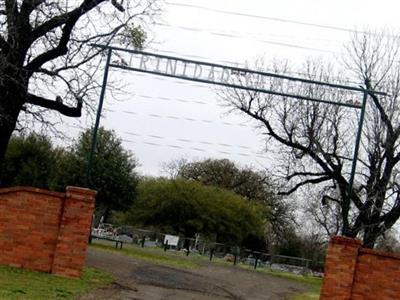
<point x="340" y="268"/>
<point x="29" y="220"/>
<point x="70" y="252"/>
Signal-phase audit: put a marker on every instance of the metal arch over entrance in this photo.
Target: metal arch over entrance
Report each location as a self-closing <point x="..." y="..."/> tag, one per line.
<point x="222" y="75"/>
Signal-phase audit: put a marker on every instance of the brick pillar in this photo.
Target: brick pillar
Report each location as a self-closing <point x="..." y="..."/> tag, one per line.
<point x="340" y="267"/>
<point x="75" y="223"/>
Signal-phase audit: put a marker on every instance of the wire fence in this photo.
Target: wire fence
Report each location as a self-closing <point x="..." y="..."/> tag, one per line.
<point x="198" y="246"/>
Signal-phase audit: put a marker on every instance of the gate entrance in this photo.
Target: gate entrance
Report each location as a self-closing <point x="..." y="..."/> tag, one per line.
<point x="226" y="76"/>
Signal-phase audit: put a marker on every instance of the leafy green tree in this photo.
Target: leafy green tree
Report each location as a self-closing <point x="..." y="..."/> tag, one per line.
<point x="29" y="161"/>
<point x="255" y="186"/>
<point x="188" y="207"/>
<point x="217" y="172"/>
<point x="113" y="170"/>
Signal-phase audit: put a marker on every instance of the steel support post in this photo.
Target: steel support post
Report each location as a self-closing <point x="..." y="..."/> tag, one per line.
<point x="97" y="123"/>
<point x="358" y="140"/>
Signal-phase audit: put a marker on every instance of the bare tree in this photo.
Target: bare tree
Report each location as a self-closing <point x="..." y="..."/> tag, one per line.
<point x="316" y="140"/>
<point x="46" y="58"/>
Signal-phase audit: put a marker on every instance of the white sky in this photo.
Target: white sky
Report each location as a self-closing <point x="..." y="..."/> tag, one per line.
<point x="159" y="116"/>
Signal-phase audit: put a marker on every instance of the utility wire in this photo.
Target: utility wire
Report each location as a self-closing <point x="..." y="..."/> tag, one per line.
<point x="282" y="20"/>
<point x="170" y="99"/>
<point x="188" y="141"/>
<point x="255" y="37"/>
<point x="219" y="61"/>
<point x="248" y="38"/>
<point x="173" y="117"/>
<point x="161" y="78"/>
<point x="194" y="148"/>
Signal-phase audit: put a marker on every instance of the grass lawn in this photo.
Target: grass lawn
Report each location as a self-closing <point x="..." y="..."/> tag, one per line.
<point x="154" y="255"/>
<point x="313" y="294"/>
<point x="314" y="283"/>
<point x="22" y="284"/>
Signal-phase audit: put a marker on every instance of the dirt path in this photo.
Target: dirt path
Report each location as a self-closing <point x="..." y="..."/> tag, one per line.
<point x="139" y="280"/>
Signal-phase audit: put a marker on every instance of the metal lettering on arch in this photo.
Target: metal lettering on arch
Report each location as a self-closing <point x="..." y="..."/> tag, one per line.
<point x="223" y="75"/>
<point x="183" y="69"/>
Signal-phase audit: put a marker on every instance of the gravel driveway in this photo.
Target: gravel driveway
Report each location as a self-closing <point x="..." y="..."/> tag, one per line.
<point x="137" y="279"/>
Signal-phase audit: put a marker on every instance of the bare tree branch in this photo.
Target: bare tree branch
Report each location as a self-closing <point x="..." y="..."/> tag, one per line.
<point x="68" y="20"/>
<point x="57" y="105"/>
<point x="305" y="182"/>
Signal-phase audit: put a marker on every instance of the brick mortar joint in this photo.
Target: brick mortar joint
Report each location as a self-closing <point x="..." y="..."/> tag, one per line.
<point x="341" y="240"/>
<point x="28" y="189"/>
<point x="80" y="191"/>
<point x="379" y="253"/>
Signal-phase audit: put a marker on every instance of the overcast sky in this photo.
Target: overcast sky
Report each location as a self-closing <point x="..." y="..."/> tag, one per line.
<point x="161" y="119"/>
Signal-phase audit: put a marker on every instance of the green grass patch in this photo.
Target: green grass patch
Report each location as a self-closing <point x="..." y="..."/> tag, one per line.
<point x="307" y="296"/>
<point x="314" y="283"/>
<point x="153" y="255"/>
<point x="23" y="284"/>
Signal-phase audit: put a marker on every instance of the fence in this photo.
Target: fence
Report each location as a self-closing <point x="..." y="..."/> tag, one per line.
<point x="199" y="246"/>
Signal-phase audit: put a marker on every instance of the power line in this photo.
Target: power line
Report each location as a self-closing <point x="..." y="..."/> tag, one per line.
<point x="182" y="82"/>
<point x="173" y="117"/>
<point x="170" y="99"/>
<point x="195" y="56"/>
<point x="195" y="149"/>
<point x="282" y="20"/>
<point x="328" y="89"/>
<point x="283" y="44"/>
<point x="188" y="141"/>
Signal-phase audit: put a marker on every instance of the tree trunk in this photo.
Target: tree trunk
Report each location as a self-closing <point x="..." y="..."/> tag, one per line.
<point x="371" y="234"/>
<point x="12" y="98"/>
<point x="6" y="129"/>
<point x="5" y="134"/>
<point x="350" y="232"/>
